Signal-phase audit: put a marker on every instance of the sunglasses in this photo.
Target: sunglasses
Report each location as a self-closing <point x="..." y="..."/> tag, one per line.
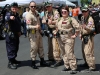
<point x="33" y="6"/>
<point x="63" y="12"/>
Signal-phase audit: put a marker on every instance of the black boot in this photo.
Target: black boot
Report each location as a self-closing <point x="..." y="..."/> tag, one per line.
<point x="43" y="63"/>
<point x="65" y="69"/>
<point x="34" y="65"/>
<point x="51" y="60"/>
<point x="58" y="63"/>
<point x="12" y="65"/>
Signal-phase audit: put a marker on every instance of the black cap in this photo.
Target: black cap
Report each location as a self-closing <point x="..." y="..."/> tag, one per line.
<point x="14" y="4"/>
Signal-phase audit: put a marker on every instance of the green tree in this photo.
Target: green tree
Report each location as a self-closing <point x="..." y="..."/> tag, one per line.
<point x="83" y="2"/>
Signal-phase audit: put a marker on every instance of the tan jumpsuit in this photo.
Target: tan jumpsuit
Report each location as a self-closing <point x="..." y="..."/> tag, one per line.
<point x="66" y="42"/>
<point x="54" y="51"/>
<point x="34" y="35"/>
<point x="88" y="49"/>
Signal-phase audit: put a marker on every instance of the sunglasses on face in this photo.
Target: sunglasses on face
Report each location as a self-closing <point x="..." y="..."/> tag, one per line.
<point x="63" y="12"/>
<point x="33" y="6"/>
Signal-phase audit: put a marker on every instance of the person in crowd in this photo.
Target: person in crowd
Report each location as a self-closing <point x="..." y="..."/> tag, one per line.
<point x="70" y="11"/>
<point x="87" y="37"/>
<point x="75" y="13"/>
<point x="13" y="32"/>
<point x="51" y="15"/>
<point x="24" y="21"/>
<point x="41" y="17"/>
<point x="34" y="29"/>
<point x="68" y="29"/>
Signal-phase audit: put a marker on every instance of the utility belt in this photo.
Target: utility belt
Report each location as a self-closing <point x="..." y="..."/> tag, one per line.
<point x="33" y="31"/>
<point x="62" y="32"/>
<point x="12" y="35"/>
<point x="49" y="32"/>
<point x="9" y="32"/>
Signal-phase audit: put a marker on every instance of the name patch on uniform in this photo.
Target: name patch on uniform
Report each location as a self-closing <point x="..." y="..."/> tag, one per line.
<point x="56" y="16"/>
<point x="64" y="22"/>
<point x="90" y="23"/>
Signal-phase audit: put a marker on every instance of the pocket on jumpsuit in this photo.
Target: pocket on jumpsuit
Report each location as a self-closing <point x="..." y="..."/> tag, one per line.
<point x="63" y="39"/>
<point x="70" y="45"/>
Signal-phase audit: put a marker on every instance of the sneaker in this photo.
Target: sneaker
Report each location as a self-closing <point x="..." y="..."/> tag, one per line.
<point x="33" y="65"/>
<point x="12" y="65"/>
<point x="57" y="64"/>
<point x="44" y="64"/>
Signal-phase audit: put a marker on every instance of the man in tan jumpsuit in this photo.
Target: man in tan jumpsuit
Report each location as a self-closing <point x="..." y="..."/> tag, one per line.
<point x="87" y="37"/>
<point x="52" y="15"/>
<point x="33" y="25"/>
<point x="68" y="29"/>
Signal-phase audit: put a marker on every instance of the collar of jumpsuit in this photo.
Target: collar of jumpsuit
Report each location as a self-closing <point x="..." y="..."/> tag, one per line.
<point x="65" y="18"/>
<point x="35" y="13"/>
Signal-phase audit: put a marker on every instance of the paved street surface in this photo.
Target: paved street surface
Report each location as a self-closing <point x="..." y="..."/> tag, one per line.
<point x="24" y="56"/>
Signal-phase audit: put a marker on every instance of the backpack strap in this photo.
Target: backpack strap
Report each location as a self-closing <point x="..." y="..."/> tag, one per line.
<point x="70" y="20"/>
<point x="59" y="19"/>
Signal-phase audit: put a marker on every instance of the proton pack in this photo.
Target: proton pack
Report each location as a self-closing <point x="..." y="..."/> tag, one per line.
<point x="96" y="18"/>
<point x="2" y="20"/>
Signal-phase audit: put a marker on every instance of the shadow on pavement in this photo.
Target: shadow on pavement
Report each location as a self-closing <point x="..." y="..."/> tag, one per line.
<point x="86" y="68"/>
<point x="27" y="63"/>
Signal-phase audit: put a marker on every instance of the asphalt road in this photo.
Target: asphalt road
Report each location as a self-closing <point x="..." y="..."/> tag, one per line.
<point x="24" y="56"/>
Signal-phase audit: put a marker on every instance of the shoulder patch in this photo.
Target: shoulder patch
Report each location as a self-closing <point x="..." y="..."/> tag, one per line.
<point x="90" y="23"/>
<point x="56" y="16"/>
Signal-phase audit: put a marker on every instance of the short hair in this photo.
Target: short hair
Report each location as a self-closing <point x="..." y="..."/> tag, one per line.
<point x="65" y="7"/>
<point x="14" y="4"/>
<point x="32" y="2"/>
